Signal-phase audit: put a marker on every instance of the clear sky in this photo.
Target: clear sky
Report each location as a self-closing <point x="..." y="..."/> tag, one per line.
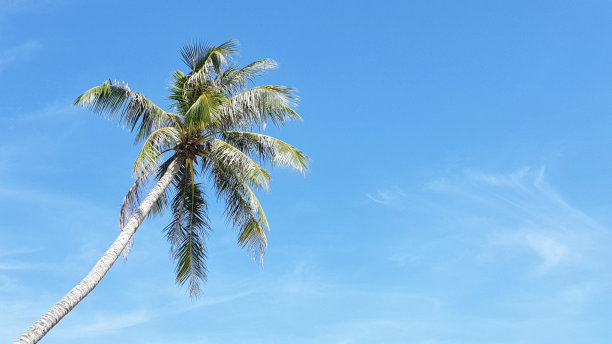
<point x="459" y="191"/>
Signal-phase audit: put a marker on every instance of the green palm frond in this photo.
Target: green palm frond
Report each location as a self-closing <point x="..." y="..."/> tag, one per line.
<point x="204" y="112"/>
<point x="241" y="164"/>
<point x="146" y="165"/>
<point x="242" y="207"/>
<point x="268" y="148"/>
<point x="253" y="236"/>
<point x="207" y="62"/>
<point x="234" y="79"/>
<point x="258" y="105"/>
<point x="150" y="156"/>
<point x="177" y="92"/>
<point x="133" y="108"/>
<point x="187" y="230"/>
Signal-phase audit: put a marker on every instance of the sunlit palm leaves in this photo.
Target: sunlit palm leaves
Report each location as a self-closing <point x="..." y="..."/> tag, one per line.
<point x="209" y="130"/>
<point x="134" y="109"/>
<point x="267" y="148"/>
<point x="187" y="229"/>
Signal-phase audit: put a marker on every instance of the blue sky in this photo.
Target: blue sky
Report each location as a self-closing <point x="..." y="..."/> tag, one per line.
<point x="458" y="193"/>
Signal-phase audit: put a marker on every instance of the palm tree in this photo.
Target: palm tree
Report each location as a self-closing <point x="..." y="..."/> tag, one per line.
<point x="208" y="133"/>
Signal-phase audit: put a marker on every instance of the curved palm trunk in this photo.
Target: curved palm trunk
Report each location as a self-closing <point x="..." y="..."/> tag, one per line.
<point x="78" y="293"/>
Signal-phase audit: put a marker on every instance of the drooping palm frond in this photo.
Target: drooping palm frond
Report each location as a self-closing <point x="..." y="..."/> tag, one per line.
<point x="268" y="148"/>
<point x="241" y="164"/>
<point x="256" y="106"/>
<point x="242" y="207"/>
<point x="187" y="230"/>
<point x="133" y="108"/>
<point x="146" y="165"/>
<point x="234" y="80"/>
<point x="150" y="156"/>
<point x="131" y="202"/>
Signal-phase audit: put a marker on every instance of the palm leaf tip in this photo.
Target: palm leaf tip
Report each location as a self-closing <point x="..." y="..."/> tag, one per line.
<point x="116" y="99"/>
<point x="268" y="148"/>
<point x="197" y="55"/>
<point x="91" y="95"/>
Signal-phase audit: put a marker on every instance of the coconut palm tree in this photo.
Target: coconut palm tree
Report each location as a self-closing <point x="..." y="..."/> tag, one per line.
<point x="208" y="135"/>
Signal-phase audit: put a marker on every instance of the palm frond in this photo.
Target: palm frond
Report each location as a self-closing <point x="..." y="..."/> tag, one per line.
<point x="149" y="158"/>
<point x="132" y="108"/>
<point x="242" y="207"/>
<point x="146" y="165"/>
<point x="177" y="92"/>
<point x="253" y="236"/>
<point x="234" y="80"/>
<point x="197" y="55"/>
<point x="204" y="112"/>
<point x="130" y="204"/>
<point x="206" y="63"/>
<point x="132" y="200"/>
<point x="268" y="148"/>
<point x="187" y="230"/>
<point x="258" y="105"/>
<point x="224" y="154"/>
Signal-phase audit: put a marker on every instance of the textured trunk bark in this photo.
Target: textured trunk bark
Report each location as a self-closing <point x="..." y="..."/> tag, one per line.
<point x="78" y="293"/>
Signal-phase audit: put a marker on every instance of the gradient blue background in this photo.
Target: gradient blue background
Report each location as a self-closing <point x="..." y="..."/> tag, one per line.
<point x="459" y="189"/>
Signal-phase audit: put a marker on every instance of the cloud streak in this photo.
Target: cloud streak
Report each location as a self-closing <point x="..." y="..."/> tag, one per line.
<point x="387" y="197"/>
<point x="529" y="213"/>
<point x="500" y="216"/>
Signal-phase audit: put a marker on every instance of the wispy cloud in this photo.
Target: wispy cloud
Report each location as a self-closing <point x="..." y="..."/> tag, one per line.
<point x="535" y="216"/>
<point x="549" y="249"/>
<point x="387" y="197"/>
<point x="22" y="51"/>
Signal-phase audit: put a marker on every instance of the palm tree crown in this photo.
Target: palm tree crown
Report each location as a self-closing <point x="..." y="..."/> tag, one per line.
<point x="209" y="132"/>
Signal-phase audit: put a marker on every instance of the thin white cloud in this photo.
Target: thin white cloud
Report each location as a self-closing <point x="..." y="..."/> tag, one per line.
<point x="554" y="230"/>
<point x="550" y="250"/>
<point x="515" y="179"/>
<point x="387" y="197"/>
<point x="516" y="214"/>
